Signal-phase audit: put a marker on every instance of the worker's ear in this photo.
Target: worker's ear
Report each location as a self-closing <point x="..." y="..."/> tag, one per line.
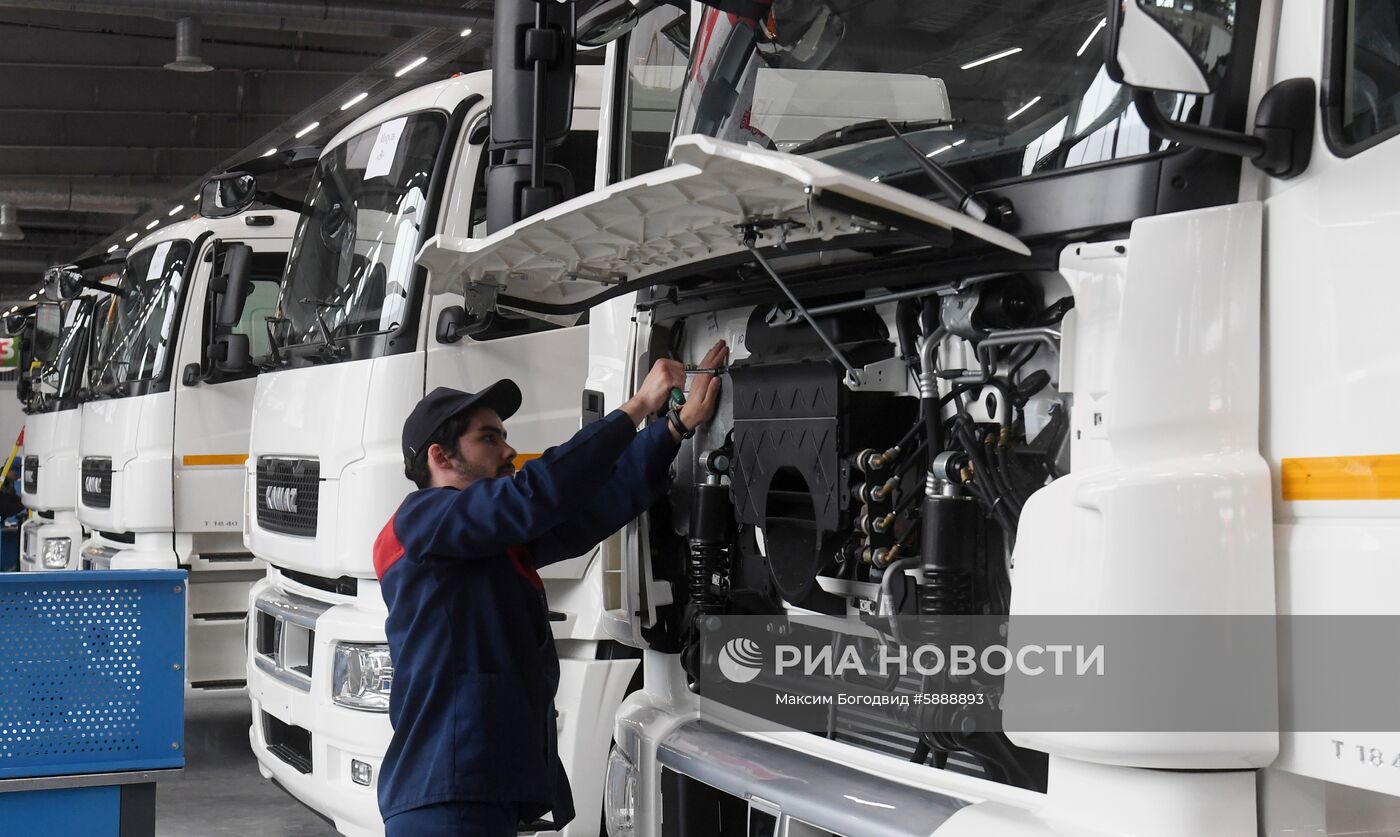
<point x="439" y="456"/>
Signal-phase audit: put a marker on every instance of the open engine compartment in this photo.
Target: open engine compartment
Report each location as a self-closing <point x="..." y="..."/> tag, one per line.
<point x="892" y="492"/>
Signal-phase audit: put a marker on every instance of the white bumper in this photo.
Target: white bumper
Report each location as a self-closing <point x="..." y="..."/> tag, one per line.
<point x="36" y="533"/>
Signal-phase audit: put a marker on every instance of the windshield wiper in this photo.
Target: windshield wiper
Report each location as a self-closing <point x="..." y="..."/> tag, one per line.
<point x="332" y="349"/>
<point x="868" y="130"/>
<point x="966" y="202"/>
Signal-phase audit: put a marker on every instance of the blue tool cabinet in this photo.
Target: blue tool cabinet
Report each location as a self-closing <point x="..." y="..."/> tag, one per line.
<point x="91" y="698"/>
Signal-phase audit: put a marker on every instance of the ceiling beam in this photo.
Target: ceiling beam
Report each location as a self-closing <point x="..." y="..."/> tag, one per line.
<point x="272" y="14"/>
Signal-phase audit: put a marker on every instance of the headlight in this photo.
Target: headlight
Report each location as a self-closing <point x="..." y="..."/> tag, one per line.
<point x="56" y="553"/>
<point x="363" y="676"/>
<point x="620" y="796"/>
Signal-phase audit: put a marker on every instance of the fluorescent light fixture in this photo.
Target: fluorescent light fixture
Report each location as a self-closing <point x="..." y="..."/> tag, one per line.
<point x="411" y="66"/>
<point x="1089" y="40"/>
<point x="33" y="297"/>
<point x="114" y="248"/>
<point x="355" y="101"/>
<point x="153" y="224"/>
<point x="270" y="152"/>
<point x="308" y="129"/>
<point x="177" y="210"/>
<point x="466" y="32"/>
<point x="131" y="237"/>
<point x="993" y="57"/>
<point x="1022" y="109"/>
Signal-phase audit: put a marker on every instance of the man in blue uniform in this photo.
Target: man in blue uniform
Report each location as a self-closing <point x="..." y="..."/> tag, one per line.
<point x="474" y="750"/>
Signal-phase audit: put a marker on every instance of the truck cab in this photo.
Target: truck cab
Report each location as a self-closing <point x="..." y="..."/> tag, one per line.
<point x="361" y="338"/>
<point x="165" y="430"/>
<point x="61" y="342"/>
<point x="1031" y="346"/>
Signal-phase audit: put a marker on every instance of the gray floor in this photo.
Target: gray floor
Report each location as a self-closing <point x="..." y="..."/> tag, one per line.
<point x="221" y="793"/>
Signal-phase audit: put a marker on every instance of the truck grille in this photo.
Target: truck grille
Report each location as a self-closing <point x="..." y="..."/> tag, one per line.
<point x="31" y="474"/>
<point x="97" y="482"/>
<point x="290" y="743"/>
<point x="287" y="495"/>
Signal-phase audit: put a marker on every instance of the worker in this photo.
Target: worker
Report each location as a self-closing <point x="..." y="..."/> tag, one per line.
<point x="474" y="749"/>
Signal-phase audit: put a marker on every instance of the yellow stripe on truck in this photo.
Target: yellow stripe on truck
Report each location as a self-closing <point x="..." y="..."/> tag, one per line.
<point x="1342" y="478"/>
<point x="198" y="460"/>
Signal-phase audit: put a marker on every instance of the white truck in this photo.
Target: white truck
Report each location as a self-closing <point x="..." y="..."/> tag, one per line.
<point x="165" y="430"/>
<point x="1080" y="310"/>
<point x="62" y="352"/>
<point x="360" y="340"/>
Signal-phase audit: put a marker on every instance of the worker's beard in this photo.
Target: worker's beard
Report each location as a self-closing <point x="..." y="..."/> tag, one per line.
<point x="471" y="472"/>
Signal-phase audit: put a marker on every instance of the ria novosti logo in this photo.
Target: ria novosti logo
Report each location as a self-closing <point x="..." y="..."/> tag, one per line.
<point x="740" y="660"/>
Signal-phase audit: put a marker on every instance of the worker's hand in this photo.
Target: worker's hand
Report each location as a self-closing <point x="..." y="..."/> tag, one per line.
<point x="703" y="397"/>
<point x="655" y="392"/>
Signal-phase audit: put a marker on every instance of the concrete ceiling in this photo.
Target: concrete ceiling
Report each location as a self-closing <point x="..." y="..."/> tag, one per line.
<point x="98" y="138"/>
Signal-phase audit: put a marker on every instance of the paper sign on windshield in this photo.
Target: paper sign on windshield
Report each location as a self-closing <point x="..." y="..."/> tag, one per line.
<point x="386" y="148"/>
<point x="158" y="261"/>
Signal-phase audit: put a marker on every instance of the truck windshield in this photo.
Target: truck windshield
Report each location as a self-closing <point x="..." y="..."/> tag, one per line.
<point x="1009" y="87"/>
<point x="58" y="379"/>
<point x="137" y="337"/>
<point x="352" y="260"/>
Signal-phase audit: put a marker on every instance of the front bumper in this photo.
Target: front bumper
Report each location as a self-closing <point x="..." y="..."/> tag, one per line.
<point x="306" y="742"/>
<point x="35" y="535"/>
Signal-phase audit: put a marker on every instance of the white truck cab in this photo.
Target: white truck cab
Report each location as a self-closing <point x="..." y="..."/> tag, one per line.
<point x="63" y="340"/>
<point x="165" y="431"/>
<point x="361" y="339"/>
<point x="1068" y="340"/>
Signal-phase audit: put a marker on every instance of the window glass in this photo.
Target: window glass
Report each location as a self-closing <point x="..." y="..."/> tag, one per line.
<point x="139" y="335"/>
<point x="1370" y="74"/>
<point x="655" y="68"/>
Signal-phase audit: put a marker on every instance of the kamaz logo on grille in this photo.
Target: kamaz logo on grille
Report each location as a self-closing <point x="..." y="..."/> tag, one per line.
<point x="92" y="485"/>
<point x="280" y="498"/>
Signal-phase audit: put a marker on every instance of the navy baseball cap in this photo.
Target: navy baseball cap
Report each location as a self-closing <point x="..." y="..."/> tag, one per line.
<point x="444" y="402"/>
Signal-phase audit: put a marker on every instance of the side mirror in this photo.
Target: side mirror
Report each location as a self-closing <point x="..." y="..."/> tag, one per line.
<point x="63" y="283"/>
<point x="532" y="86"/>
<point x="1179" y="47"/>
<point x="48" y="330"/>
<point x="608" y="20"/>
<point x="226" y="195"/>
<point x="237" y="357"/>
<point x="238" y="263"/>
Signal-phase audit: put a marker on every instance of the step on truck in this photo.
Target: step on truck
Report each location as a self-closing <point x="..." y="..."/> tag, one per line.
<point x="359" y="340"/>
<point x="165" y="427"/>
<point x="1046" y="324"/>
<point x="55" y="367"/>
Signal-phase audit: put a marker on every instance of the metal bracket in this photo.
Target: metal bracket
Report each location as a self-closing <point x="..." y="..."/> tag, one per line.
<point x="889" y="375"/>
<point x="479" y="298"/>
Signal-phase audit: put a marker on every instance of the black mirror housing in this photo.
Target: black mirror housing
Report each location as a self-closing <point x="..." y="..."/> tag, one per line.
<point x="527" y="32"/>
<point x="238" y="263"/>
<point x="226" y="195"/>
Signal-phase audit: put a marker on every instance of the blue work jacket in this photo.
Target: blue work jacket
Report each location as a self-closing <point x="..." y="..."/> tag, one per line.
<point x="475" y="669"/>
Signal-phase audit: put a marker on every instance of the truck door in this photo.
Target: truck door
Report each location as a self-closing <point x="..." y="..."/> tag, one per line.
<point x="1331" y="363"/>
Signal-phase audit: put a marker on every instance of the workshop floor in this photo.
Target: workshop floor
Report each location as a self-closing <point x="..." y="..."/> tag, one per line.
<point x="220" y="793"/>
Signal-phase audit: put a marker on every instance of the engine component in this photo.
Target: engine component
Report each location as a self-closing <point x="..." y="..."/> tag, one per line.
<point x="710" y="518"/>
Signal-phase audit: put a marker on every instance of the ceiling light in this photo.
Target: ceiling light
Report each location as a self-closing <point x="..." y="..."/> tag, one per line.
<point x="939" y="151"/>
<point x="1022" y="109"/>
<point x="177" y="210"/>
<point x="114" y="248"/>
<point x="131" y="237"/>
<point x="355" y="101"/>
<point x="270" y="152"/>
<point x="411" y="66"/>
<point x="308" y="129"/>
<point x="33" y="297"/>
<point x="466" y="32"/>
<point x="153" y="224"/>
<point x="993" y="57"/>
<point x="1102" y="23"/>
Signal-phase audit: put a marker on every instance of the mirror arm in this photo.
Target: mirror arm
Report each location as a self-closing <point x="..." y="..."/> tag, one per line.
<point x="1197" y="136"/>
<point x="114" y="290"/>
<point x="278" y="202"/>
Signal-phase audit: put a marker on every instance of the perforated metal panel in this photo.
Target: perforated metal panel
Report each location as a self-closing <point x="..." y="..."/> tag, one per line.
<point x="91" y="672"/>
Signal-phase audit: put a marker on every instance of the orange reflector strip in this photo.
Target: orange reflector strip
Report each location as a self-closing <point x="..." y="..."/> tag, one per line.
<point x="204" y="459"/>
<point x="522" y="458"/>
<point x="1342" y="478"/>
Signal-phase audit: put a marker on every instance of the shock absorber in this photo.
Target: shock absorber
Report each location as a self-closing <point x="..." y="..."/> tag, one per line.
<point x="710" y="518"/>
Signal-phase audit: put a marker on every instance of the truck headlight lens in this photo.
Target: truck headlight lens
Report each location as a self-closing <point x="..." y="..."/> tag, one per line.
<point x="56" y="552"/>
<point x="363" y="676"/>
<point x="620" y="795"/>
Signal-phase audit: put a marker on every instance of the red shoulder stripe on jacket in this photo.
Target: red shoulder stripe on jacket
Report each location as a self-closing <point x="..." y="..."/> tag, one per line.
<point x="387" y="549"/>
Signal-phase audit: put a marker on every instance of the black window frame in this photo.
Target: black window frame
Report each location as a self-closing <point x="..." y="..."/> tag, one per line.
<point x="1334" y="70"/>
